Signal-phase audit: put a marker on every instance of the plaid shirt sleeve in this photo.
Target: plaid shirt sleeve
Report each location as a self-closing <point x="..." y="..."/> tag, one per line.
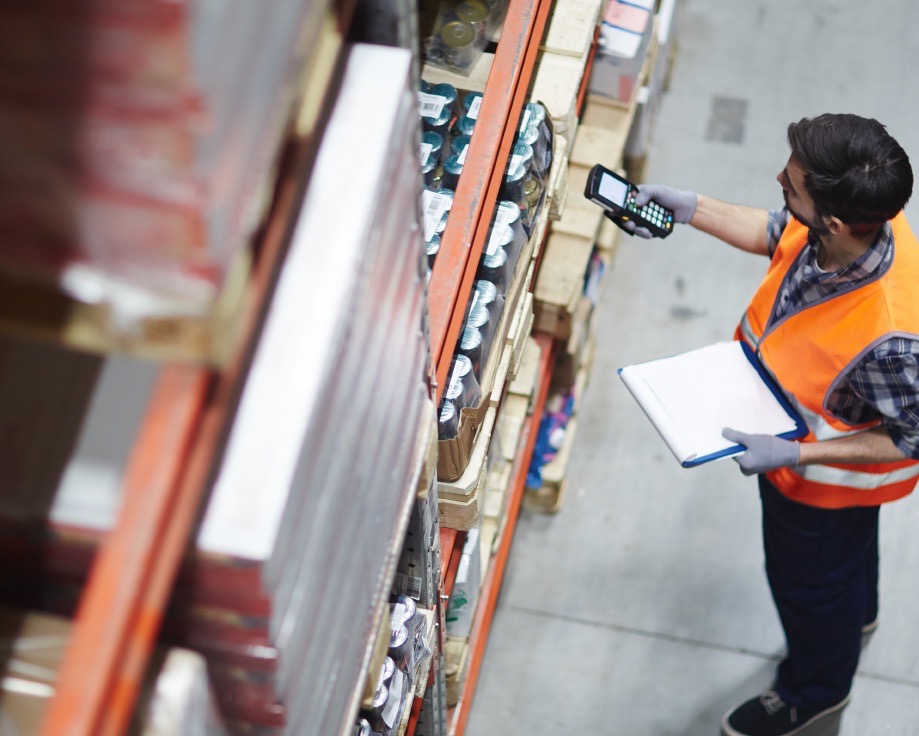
<point x="886" y="383"/>
<point x="778" y="219"/>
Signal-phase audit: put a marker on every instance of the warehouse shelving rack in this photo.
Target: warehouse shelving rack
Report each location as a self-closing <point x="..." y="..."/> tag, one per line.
<point x="491" y="584"/>
<point x="122" y="604"/>
<point x="168" y="472"/>
<point x="477" y="192"/>
<point x="504" y="95"/>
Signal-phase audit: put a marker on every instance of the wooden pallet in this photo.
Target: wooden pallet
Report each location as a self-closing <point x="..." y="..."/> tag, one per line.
<point x="421" y="674"/>
<point x="456" y="656"/>
<point x="176" y="330"/>
<point x="572" y="28"/>
<point x="548" y="499"/>
<point x="514" y="412"/>
<point x="600" y="138"/>
<point x="564" y="60"/>
<point x="454" y="455"/>
<point x="460" y="501"/>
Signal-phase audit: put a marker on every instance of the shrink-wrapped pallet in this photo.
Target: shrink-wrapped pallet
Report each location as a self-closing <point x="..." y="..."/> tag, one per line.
<point x="299" y="541"/>
<point x="138" y="141"/>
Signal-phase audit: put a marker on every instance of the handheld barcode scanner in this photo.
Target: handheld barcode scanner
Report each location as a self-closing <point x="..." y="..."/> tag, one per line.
<point x="617" y="196"/>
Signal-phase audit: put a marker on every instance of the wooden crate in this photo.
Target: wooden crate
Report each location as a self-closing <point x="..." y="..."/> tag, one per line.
<point x="454" y="454"/>
<point x="558" y="196"/>
<point x="459" y="501"/>
<point x="475" y="81"/>
<point x="560" y="285"/>
<point x="456" y="655"/>
<point x="556" y="83"/>
<point x="573" y="27"/>
<point x="514" y="411"/>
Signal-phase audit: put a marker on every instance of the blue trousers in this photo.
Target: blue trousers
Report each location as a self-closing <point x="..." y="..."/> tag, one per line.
<point x="822" y="568"/>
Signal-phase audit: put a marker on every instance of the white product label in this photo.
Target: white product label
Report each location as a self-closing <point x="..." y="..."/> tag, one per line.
<point x="395" y="699"/>
<point x="516" y="160"/>
<point x="433" y="206"/>
<point x="502" y="220"/>
<point x="426" y="149"/>
<point x="398" y="614"/>
<point x="408" y="585"/>
<point x="494" y="240"/>
<point x="504" y="216"/>
<point x="462" y="155"/>
<point x="456" y="383"/>
<point x="474" y="108"/>
<point x="524" y="121"/>
<point x="430" y="106"/>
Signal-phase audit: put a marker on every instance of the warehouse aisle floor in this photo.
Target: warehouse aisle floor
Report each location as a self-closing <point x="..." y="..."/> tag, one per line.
<point x="641" y="608"/>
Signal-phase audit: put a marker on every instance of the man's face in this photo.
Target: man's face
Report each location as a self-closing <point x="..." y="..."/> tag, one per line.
<point x="798" y="201"/>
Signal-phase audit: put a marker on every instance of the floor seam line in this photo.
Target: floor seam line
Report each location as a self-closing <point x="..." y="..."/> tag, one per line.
<point x="702" y="644"/>
<point x="661" y="636"/>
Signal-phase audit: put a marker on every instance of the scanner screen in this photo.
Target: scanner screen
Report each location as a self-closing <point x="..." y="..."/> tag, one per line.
<point x="613" y="190"/>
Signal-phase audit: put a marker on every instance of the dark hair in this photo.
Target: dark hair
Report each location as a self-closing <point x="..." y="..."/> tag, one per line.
<point x="854" y="169"/>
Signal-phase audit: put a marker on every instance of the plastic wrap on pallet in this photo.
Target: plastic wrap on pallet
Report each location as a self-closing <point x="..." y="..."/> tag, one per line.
<point x="178" y="699"/>
<point x="550" y="436"/>
<point x="343" y="389"/>
<point x="314" y="486"/>
<point x="498" y="277"/>
<point x="388" y="22"/>
<point x="454" y="33"/>
<point x="625" y="35"/>
<point x="138" y="139"/>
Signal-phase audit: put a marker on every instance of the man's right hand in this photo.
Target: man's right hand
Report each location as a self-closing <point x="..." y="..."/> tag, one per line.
<point x="682" y="202"/>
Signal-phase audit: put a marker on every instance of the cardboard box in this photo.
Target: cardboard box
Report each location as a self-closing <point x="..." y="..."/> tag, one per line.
<point x="453" y="455"/>
<point x="33" y="648"/>
<point x="624" y="38"/>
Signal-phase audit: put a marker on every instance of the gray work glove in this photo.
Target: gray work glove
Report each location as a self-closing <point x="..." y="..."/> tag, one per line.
<point x="682" y="202"/>
<point x="764" y="452"/>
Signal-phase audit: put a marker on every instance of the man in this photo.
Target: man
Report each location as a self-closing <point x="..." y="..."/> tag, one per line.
<point x="836" y="322"/>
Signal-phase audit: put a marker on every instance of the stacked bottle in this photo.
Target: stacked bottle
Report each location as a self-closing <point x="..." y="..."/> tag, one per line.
<point x="441" y="157"/>
<point x="528" y="165"/>
<point x="396" y="678"/>
<point x="522" y="194"/>
<point x="476" y="338"/>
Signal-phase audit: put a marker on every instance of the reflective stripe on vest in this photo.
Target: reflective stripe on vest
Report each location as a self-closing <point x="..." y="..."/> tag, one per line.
<point x="830" y="475"/>
<point x="829" y="337"/>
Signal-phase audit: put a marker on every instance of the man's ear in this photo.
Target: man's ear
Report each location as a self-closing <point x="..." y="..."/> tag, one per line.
<point x="835" y="225"/>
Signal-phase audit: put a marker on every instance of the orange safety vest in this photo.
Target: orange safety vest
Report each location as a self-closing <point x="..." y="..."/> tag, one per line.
<point x="810" y="350"/>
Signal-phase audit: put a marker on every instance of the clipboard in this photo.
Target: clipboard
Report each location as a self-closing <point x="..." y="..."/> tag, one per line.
<point x="691" y="397"/>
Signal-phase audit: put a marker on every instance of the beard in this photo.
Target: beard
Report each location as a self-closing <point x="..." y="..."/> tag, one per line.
<point x="817" y="227"/>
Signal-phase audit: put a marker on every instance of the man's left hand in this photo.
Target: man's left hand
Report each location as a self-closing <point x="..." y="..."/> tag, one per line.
<point x="764" y="452"/>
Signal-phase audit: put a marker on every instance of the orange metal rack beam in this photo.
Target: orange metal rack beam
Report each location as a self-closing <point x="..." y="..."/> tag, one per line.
<point x="477" y="192"/>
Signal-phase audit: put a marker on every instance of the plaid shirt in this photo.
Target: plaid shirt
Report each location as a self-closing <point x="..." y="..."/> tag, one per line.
<point x="885" y="383"/>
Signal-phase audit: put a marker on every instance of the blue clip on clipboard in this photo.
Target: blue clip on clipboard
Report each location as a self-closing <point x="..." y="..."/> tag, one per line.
<point x="690" y="397"/>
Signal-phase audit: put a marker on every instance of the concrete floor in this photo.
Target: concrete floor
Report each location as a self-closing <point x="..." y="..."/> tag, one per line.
<point x="641" y="609"/>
